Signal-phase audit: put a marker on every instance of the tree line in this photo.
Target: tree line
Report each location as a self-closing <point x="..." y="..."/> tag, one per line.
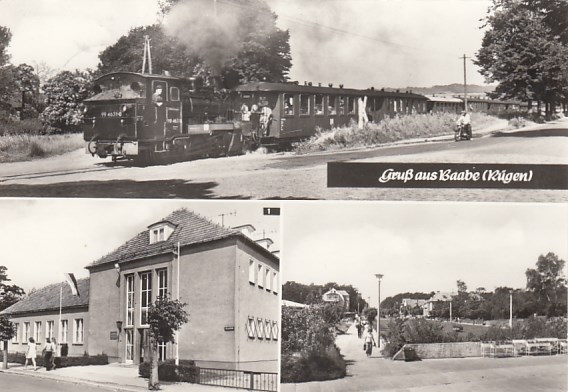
<point x="260" y="52"/>
<point x="544" y="295"/>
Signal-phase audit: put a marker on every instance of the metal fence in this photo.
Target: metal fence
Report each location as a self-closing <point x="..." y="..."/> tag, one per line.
<point x="239" y="379"/>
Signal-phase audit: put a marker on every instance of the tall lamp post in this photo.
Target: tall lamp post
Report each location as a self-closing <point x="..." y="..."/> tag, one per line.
<point x="379" y="277"/>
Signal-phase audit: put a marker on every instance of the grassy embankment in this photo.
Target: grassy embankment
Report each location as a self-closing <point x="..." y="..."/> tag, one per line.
<point x="389" y="130"/>
<point x="27" y="147"/>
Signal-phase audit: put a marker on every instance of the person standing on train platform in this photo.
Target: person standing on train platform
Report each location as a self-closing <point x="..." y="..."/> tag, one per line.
<point x="265" y="120"/>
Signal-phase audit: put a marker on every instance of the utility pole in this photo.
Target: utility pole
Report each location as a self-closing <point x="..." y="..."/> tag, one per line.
<point x="379" y="277"/>
<point x="465" y="82"/>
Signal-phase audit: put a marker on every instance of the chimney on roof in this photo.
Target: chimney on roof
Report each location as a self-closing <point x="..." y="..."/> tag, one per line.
<point x="265" y="242"/>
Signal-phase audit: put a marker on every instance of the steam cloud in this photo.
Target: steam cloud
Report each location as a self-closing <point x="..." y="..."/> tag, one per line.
<point x="214" y="36"/>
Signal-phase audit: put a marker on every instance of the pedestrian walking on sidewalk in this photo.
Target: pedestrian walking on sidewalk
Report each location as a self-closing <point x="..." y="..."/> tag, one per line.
<point x="31" y="353"/>
<point x="56" y="358"/>
<point x="48" y="354"/>
<point x="369" y="341"/>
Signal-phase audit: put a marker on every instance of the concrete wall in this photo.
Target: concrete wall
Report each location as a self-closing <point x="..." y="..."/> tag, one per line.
<point x="75" y="349"/>
<point x="254" y="301"/>
<point x="443" y="350"/>
<point x="104" y="305"/>
<point x="207" y="285"/>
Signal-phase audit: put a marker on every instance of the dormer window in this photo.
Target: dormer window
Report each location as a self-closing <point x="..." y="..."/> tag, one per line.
<point x="160" y="231"/>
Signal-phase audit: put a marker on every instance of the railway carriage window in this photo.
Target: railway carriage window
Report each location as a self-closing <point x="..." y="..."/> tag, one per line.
<point x="174" y="94"/>
<point x="350" y="105"/>
<point x="304" y="105"/>
<point x="318" y="105"/>
<point x="341" y="105"/>
<point x="289" y="104"/>
<point x="400" y="104"/>
<point x="394" y="107"/>
<point x="331" y="108"/>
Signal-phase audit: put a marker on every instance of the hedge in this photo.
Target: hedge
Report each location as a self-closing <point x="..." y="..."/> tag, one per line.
<point x="328" y="365"/>
<point x="85" y="360"/>
<point x="168" y="371"/>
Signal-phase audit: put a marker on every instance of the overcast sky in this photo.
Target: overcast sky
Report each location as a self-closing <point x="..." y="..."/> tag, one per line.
<point x="419" y="247"/>
<point x="360" y="43"/>
<point x="42" y="239"/>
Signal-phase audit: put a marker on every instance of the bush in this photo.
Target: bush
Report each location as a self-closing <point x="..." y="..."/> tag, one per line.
<point x="168" y="371"/>
<point x="328" y="365"/>
<point x="85" y="360"/>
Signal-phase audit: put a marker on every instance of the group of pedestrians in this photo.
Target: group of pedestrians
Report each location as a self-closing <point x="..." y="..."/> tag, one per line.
<point x="50" y="353"/>
<point x="365" y="332"/>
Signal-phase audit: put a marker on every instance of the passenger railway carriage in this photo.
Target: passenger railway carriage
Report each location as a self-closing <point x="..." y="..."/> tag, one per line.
<point x="288" y="112"/>
<point x="149" y="117"/>
<point x="146" y="116"/>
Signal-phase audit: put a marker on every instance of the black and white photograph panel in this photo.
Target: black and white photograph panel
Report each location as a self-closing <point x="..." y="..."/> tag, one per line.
<point x="424" y="297"/>
<point x="140" y="294"/>
<point x="255" y="99"/>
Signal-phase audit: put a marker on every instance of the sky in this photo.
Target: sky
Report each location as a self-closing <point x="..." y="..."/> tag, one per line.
<point x="358" y="43"/>
<point x="419" y="247"/>
<point x="41" y="239"/>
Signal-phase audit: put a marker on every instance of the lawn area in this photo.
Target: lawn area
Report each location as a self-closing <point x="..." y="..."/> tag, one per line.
<point x="24" y="147"/>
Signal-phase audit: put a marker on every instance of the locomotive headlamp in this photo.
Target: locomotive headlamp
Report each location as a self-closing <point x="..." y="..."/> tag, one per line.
<point x="84" y="109"/>
<point x="124" y="108"/>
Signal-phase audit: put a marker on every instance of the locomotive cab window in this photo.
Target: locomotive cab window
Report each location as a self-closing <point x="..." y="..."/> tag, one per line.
<point x="288" y="104"/>
<point x="174" y="94"/>
<point x="318" y="106"/>
<point x="159" y="92"/>
<point x="304" y="105"/>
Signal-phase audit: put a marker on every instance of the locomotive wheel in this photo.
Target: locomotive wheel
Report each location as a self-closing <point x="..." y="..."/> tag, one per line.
<point x="92" y="146"/>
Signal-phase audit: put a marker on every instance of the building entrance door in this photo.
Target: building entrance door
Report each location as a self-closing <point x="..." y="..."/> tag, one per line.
<point x="142" y="344"/>
<point x="129" y="357"/>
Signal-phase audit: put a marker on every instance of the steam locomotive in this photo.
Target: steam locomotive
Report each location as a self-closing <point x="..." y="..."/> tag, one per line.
<point x="151" y="118"/>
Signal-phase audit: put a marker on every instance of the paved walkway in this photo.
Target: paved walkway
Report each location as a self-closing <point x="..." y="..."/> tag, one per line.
<point x="113" y="377"/>
<point x="543" y="373"/>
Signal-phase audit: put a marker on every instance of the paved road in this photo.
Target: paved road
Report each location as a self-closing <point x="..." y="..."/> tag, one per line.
<point x="530" y="374"/>
<point x="20" y="383"/>
<point x="286" y="175"/>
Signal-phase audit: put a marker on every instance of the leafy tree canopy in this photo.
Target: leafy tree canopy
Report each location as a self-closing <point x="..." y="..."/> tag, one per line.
<point x="165" y="317"/>
<point x="64" y="95"/>
<point x="240" y="42"/>
<point x="9" y="293"/>
<point x="526" y="51"/>
<point x="5" y="38"/>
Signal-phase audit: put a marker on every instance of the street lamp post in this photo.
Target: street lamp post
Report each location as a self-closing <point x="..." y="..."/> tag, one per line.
<point x="379" y="277"/>
<point x="511" y="310"/>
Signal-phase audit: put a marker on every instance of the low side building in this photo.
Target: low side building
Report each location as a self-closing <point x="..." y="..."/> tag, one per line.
<point x="38" y="316"/>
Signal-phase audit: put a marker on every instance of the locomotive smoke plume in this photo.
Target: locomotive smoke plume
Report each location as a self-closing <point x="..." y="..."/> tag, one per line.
<point x="214" y="36"/>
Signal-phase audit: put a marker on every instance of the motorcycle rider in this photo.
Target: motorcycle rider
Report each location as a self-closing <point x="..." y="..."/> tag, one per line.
<point x="465" y="122"/>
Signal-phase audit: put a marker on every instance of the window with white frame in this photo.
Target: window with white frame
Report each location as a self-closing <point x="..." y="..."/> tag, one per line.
<point x="318" y="105"/>
<point x="259" y="328"/>
<point x="63" y="331"/>
<point x="49" y="329"/>
<point x="275" y="284"/>
<point x="161" y="351"/>
<point x="26" y="331"/>
<point x="37" y="331"/>
<point x="331" y="105"/>
<point x="274" y="330"/>
<point x="288" y="101"/>
<point x="17" y="333"/>
<point x="260" y="276"/>
<point x="268" y="329"/>
<point x="78" y="331"/>
<point x="129" y="300"/>
<point x="251" y="328"/>
<point x="252" y="272"/>
<point x="145" y="296"/>
<point x="268" y="279"/>
<point x="162" y="283"/>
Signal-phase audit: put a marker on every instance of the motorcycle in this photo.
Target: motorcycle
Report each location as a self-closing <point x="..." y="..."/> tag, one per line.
<point x="463" y="132"/>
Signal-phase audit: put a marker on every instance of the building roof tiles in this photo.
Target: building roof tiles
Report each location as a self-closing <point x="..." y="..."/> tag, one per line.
<point x="47" y="298"/>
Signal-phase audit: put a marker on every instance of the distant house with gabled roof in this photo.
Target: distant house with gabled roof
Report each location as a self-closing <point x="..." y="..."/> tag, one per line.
<point x="38" y="316"/>
<point x="340" y="297"/>
<point x="229" y="282"/>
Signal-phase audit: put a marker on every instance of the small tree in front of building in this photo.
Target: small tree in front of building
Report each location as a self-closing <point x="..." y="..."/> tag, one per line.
<point x="7" y="332"/>
<point x="165" y="317"/>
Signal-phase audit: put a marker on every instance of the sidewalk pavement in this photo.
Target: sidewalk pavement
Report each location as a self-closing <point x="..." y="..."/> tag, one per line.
<point x="113" y="377"/>
<point x="542" y="373"/>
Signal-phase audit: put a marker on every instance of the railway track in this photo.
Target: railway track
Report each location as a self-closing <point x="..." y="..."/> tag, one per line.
<point x="54" y="173"/>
